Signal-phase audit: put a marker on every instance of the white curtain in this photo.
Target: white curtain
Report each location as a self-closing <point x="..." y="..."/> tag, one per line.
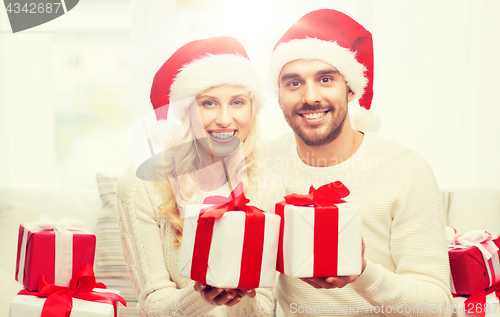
<point x="436" y="76"/>
<point x="27" y="151"/>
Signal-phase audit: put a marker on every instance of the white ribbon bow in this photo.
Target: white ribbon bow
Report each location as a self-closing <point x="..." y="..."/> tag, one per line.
<point x="64" y="224"/>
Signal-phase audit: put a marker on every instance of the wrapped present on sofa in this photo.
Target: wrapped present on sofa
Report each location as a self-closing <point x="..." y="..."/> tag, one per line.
<point x="474" y="261"/>
<point x="320" y="233"/>
<point x="55" y="249"/>
<point x="229" y="244"/>
<point x="83" y="298"/>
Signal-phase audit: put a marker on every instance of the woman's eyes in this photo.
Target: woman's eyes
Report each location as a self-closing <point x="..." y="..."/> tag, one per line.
<point x="238" y="103"/>
<point x="209" y="103"/>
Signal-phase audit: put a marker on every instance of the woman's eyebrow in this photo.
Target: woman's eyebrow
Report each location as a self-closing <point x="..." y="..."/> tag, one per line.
<point x="240" y="95"/>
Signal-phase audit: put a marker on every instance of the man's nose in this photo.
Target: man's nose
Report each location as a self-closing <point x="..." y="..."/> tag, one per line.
<point x="312" y="94"/>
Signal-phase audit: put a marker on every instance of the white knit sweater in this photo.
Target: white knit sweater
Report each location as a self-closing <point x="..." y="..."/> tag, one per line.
<point x="153" y="259"/>
<point x="403" y="230"/>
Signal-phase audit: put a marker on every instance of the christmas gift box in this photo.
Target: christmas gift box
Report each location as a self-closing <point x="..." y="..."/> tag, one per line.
<point x="320" y="233"/>
<point x="229" y="245"/>
<point x="55" y="249"/>
<point x="474" y="261"/>
<point x="81" y="299"/>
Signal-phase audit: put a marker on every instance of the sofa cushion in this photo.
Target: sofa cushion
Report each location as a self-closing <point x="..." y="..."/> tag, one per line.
<point x="25" y="205"/>
<point x="110" y="266"/>
<point x="474" y="208"/>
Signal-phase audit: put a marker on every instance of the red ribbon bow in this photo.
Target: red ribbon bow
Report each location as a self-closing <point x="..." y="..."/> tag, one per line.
<point x="59" y="301"/>
<point x="325" y="195"/>
<point x="325" y="225"/>
<point x="478" y="300"/>
<point x="237" y="203"/>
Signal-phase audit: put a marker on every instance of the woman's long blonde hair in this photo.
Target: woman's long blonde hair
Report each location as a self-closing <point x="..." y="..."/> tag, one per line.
<point x="180" y="163"/>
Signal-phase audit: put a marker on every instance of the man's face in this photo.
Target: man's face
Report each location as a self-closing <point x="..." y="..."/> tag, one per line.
<point x="314" y="98"/>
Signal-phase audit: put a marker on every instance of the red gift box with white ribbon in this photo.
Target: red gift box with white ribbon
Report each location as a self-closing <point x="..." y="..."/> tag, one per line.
<point x="229" y="245"/>
<point x="474" y="260"/>
<point x="55" y="249"/>
<point x="320" y="233"/>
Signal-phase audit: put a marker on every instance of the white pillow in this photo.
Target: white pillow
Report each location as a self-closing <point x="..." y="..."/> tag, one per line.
<point x="25" y="206"/>
<point x="475" y="208"/>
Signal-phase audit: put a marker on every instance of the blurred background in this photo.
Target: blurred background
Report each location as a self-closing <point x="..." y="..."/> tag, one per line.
<point x="70" y="88"/>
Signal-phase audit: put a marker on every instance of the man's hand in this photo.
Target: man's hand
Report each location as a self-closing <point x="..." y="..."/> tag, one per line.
<point x="336" y="281"/>
<point x="222" y="296"/>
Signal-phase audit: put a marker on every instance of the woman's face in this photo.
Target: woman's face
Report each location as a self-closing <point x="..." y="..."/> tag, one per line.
<point x="226" y="115"/>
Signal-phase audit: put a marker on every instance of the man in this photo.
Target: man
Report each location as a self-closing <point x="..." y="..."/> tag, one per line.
<point x="323" y="63"/>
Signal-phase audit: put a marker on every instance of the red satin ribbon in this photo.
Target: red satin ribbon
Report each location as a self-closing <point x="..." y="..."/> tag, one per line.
<point x="325" y="195"/>
<point x="253" y="241"/>
<point x="59" y="301"/>
<point x="478" y="300"/>
<point x="326" y="219"/>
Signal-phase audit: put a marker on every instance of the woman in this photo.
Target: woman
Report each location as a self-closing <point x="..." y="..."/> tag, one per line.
<point x="211" y="145"/>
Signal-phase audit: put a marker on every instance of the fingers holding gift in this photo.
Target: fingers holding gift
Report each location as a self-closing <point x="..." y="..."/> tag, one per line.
<point x="329" y="282"/>
<point x="218" y="296"/>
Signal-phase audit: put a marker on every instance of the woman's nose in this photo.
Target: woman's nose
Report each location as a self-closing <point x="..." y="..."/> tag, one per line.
<point x="224" y="118"/>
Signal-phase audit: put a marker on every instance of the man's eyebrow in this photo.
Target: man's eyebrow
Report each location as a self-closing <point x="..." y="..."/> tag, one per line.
<point x="329" y="71"/>
<point x="288" y="76"/>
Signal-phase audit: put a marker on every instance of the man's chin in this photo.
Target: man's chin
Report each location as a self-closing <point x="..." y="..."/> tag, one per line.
<point x="311" y="138"/>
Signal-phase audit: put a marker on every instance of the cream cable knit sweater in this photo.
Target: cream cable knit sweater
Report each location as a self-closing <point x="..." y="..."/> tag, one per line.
<point x="403" y="229"/>
<point x="153" y="260"/>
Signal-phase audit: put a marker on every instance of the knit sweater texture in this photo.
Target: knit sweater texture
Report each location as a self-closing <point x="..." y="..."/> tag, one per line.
<point x="153" y="259"/>
<point x="407" y="270"/>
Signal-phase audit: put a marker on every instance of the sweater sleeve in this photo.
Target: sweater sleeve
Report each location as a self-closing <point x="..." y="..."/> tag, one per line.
<point x="143" y="250"/>
<point x="418" y="249"/>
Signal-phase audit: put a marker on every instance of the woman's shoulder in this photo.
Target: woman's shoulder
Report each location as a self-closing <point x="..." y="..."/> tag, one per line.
<point x="129" y="185"/>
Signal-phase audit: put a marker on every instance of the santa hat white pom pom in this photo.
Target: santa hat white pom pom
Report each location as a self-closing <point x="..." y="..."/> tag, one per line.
<point x="363" y="119"/>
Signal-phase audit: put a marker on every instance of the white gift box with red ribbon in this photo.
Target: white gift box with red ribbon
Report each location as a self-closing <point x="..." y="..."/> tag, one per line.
<point x="25" y="306"/>
<point x="235" y="249"/>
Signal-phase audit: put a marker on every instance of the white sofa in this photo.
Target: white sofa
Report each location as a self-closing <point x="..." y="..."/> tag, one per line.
<point x="466" y="209"/>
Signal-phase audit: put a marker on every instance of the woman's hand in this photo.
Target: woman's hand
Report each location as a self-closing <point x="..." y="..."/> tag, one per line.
<point x="222" y="296"/>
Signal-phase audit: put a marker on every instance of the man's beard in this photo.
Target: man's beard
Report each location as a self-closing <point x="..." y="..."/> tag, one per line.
<point x="314" y="138"/>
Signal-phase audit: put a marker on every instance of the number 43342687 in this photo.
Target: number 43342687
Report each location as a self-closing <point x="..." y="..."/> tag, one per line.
<point x="33" y="7"/>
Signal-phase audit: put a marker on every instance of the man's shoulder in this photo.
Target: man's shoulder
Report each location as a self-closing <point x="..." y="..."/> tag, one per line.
<point x="393" y="152"/>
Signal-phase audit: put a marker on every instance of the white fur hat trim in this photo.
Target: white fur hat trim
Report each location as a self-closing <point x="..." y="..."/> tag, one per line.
<point x="216" y="70"/>
<point x="330" y="52"/>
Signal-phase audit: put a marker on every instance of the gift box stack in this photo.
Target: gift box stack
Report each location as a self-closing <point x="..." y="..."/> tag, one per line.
<point x="475" y="272"/>
<point x="227" y="243"/>
<point x="55" y="266"/>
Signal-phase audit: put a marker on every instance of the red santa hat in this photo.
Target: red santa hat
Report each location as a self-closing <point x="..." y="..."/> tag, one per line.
<point x="200" y="65"/>
<point x="335" y="38"/>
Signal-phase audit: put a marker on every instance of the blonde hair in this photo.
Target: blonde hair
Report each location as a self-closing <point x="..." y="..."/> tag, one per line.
<point x="179" y="163"/>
